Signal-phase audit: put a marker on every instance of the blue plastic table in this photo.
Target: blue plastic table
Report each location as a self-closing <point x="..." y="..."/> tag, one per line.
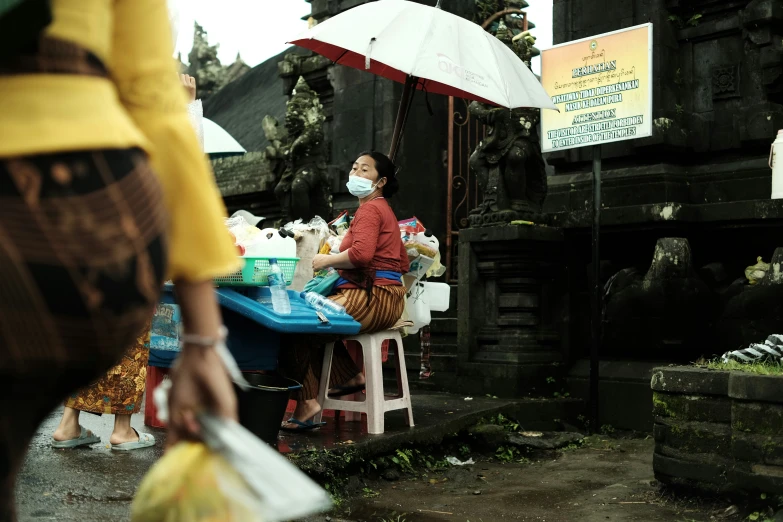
<point x="254" y="327"/>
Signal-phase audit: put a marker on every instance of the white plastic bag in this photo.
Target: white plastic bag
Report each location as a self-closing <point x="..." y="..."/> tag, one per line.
<point x="275" y="491"/>
<point x="282" y="491"/>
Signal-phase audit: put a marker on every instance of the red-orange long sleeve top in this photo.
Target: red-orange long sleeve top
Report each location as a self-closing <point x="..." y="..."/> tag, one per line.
<point x="373" y="241"/>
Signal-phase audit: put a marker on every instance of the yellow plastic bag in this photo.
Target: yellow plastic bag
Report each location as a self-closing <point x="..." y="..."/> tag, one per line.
<point x="757" y="272"/>
<point x="232" y="476"/>
<point x="193" y="484"/>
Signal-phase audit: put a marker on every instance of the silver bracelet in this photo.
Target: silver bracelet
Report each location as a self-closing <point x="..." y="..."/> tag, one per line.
<point x="202" y="340"/>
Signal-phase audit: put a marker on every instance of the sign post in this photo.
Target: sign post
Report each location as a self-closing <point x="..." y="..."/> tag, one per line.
<point x="603" y="88"/>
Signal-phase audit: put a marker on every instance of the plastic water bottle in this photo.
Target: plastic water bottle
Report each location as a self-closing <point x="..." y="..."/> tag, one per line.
<point x="280" y="301"/>
<point x="322" y="304"/>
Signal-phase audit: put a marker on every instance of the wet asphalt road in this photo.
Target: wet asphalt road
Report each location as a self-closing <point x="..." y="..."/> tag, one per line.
<point x="86" y="484"/>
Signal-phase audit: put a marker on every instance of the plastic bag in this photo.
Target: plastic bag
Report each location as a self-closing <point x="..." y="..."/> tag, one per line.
<point x="191" y="483"/>
<point x="334" y="243"/>
<point x="421" y="248"/>
<point x="323" y="284"/>
<point x="244" y="233"/>
<point x="341" y="223"/>
<point x="231" y="477"/>
<point x="757" y="272"/>
<point x="410" y="227"/>
<point x="316" y="225"/>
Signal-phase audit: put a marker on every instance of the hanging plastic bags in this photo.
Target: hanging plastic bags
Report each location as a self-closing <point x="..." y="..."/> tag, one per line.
<point x="231" y="477"/>
<point x="191" y="483"/>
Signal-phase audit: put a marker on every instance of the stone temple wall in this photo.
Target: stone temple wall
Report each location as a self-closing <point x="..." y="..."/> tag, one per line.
<point x="718" y="431"/>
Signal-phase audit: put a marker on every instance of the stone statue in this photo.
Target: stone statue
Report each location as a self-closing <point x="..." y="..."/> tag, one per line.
<point x="277" y="150"/>
<point x="303" y="190"/>
<point x="508" y="164"/>
<point x="206" y="68"/>
<point x="666" y="312"/>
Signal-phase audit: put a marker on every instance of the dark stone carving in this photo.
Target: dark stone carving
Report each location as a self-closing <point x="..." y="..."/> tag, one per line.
<point x="725" y="82"/>
<point x="753" y="312"/>
<point x="303" y="190"/>
<point x="508" y="164"/>
<point x="663" y="313"/>
<point x="205" y="66"/>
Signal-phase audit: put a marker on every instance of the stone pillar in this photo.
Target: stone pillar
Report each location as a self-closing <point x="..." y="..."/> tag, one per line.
<point x="513" y="308"/>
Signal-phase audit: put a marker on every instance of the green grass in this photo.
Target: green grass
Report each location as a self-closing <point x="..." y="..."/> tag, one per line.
<point x="758" y="368"/>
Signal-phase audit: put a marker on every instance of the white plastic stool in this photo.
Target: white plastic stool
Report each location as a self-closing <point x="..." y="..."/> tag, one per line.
<point x="375" y="404"/>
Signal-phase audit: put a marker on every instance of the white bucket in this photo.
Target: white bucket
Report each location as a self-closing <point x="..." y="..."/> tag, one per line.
<point x="437" y="296"/>
<point x="271" y="244"/>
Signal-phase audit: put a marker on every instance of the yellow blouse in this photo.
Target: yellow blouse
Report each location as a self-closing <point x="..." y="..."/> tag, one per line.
<point x="142" y="105"/>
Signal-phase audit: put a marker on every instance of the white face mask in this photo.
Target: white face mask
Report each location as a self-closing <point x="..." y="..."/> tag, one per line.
<point x="360" y="187"/>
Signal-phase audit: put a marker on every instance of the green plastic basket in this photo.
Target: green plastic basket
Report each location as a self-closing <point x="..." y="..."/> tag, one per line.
<point x="256" y="270"/>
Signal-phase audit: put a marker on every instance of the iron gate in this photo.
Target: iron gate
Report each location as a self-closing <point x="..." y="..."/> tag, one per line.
<point x="464" y="135"/>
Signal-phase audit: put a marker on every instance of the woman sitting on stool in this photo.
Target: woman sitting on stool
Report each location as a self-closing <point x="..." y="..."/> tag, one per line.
<point x="371" y="262"/>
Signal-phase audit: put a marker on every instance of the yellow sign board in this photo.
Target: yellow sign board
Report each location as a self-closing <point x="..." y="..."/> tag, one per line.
<point x="603" y="88"/>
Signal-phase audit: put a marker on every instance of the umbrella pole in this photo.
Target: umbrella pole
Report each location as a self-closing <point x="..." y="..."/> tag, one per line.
<point x="402" y="115"/>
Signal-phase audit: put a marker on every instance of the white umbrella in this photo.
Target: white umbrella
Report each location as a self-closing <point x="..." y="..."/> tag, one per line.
<point x="428" y="48"/>
<point x="218" y="141"/>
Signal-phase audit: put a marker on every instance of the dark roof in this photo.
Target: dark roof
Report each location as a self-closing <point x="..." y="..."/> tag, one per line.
<point x="246" y="174"/>
<point x="240" y="106"/>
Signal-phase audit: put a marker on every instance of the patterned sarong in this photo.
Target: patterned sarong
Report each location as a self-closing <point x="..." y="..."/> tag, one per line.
<point x="302" y="359"/>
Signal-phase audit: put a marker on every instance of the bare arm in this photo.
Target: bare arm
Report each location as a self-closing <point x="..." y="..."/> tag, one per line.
<point x="340" y="261"/>
<point x="199" y="378"/>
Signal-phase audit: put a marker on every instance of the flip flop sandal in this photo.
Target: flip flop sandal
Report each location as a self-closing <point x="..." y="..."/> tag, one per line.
<point x="302" y="426"/>
<point x="85" y="438"/>
<point x="342" y="391"/>
<point x="145" y="441"/>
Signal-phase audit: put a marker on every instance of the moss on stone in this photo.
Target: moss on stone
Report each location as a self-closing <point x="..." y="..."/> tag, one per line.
<point x="660" y="406"/>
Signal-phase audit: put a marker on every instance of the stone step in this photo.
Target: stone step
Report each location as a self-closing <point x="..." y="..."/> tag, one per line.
<point x="443" y="325"/>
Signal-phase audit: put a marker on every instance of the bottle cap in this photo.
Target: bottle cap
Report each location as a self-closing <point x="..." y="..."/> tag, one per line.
<point x="303" y="294"/>
<point x="780" y="132"/>
<point x="272" y="260"/>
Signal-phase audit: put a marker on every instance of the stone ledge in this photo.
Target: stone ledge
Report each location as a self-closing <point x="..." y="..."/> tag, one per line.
<point x="698" y="437"/>
<point x="744" y="456"/>
<point x="752" y="387"/>
<point x="757" y="418"/>
<point x="672" y="212"/>
<point x="757" y="448"/>
<point x="762" y="478"/>
<point x="694" y="381"/>
<point x="706" y="475"/>
<point x="511" y="233"/>
<point x="693" y="407"/>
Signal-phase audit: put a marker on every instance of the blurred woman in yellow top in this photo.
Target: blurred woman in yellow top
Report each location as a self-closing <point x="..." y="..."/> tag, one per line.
<point x="103" y="191"/>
